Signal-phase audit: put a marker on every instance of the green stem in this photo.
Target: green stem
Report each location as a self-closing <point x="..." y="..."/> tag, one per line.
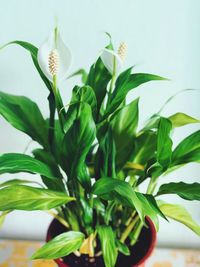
<point x="129" y="229"/>
<point x="112" y="81"/>
<point x="130" y="218"/>
<point x="152" y="185"/>
<point x="58" y="102"/>
<point x="52" y="109"/>
<point x="137" y="232"/>
<point x="60" y="219"/>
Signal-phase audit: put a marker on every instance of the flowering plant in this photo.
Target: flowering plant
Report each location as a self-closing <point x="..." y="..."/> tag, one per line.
<point x="92" y="158"/>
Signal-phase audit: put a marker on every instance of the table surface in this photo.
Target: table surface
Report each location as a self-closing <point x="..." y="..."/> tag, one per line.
<point x="14" y="253"/>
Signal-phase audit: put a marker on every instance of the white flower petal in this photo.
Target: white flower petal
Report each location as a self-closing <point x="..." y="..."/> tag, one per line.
<point x="64" y="56"/>
<point x="108" y="57"/>
<point x="43" y="56"/>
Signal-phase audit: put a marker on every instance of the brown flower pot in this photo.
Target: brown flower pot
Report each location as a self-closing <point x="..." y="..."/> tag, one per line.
<point x="140" y="252"/>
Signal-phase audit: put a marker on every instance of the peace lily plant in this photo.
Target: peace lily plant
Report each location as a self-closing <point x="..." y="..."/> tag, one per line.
<point x="92" y="158"/>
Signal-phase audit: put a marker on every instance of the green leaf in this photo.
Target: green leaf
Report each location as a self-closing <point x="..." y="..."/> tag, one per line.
<point x="58" y="142"/>
<point x="77" y="143"/>
<point x="33" y="51"/>
<point x="80" y="72"/>
<point x="180" y="214"/>
<point x="105" y="156"/>
<point x="15" y="162"/>
<point x="83" y="94"/>
<point x="123" y="248"/>
<point x="180" y="119"/>
<point x="109" y="249"/>
<point x="24" y="115"/>
<point x="164" y="143"/>
<point x="145" y="147"/>
<point x="121" y="191"/>
<point x="187" y="150"/>
<point x="87" y="212"/>
<point x="152" y="123"/>
<point x="124" y="125"/>
<point x="47" y="158"/>
<point x="185" y="191"/>
<point x="80" y="95"/>
<point x="98" y="79"/>
<point x="17" y="182"/>
<point x="126" y="82"/>
<point x="21" y="197"/>
<point x="60" y="246"/>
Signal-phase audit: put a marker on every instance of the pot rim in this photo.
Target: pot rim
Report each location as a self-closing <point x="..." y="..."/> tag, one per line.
<point x="147" y="255"/>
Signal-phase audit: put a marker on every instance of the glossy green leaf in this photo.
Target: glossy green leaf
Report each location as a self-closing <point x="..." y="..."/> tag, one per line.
<point x="24" y="115"/>
<point x="33" y="50"/>
<point x="98" y="79"/>
<point x="77" y="143"/>
<point x="124" y="125"/>
<point x="180" y="214"/>
<point x="145" y="147"/>
<point x="87" y="212"/>
<point x="105" y="156"/>
<point x="121" y="191"/>
<point x="15" y="162"/>
<point x="109" y="249"/>
<point x="58" y="142"/>
<point x="47" y="158"/>
<point x="180" y="119"/>
<point x="151" y="123"/>
<point x="60" y="246"/>
<point x="21" y="197"/>
<point x="126" y="82"/>
<point x="84" y="94"/>
<point x="164" y="142"/>
<point x="188" y="150"/>
<point x="123" y="248"/>
<point x="185" y="191"/>
<point x="18" y="182"/>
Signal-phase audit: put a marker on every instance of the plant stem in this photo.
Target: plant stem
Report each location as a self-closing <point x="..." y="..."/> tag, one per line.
<point x="152" y="185"/>
<point x="59" y="105"/>
<point x="128" y="229"/>
<point x="137" y="233"/>
<point x="52" y="108"/>
<point x="60" y="219"/>
<point x="112" y="81"/>
<point x="129" y="220"/>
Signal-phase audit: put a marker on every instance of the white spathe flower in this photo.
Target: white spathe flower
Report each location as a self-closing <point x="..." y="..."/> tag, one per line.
<point x="114" y="61"/>
<point x="54" y="57"/>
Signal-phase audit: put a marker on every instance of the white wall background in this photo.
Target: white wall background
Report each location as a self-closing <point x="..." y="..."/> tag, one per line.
<point x="163" y="38"/>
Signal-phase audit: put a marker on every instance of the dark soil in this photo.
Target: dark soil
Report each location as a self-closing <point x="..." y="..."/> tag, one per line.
<point x="138" y="251"/>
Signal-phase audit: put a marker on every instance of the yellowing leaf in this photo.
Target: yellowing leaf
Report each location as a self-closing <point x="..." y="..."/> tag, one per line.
<point x="180" y="119"/>
<point x="180" y="214"/>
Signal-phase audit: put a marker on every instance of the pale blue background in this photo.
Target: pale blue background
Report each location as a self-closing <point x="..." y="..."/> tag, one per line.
<point x="163" y="38"/>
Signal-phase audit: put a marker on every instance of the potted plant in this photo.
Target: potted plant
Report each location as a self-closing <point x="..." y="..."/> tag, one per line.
<point x="92" y="160"/>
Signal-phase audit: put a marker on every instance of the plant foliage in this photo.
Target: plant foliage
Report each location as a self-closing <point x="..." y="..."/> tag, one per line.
<point x="92" y="158"/>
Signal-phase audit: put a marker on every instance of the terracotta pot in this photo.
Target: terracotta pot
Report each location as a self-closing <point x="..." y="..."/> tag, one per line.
<point x="140" y="252"/>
